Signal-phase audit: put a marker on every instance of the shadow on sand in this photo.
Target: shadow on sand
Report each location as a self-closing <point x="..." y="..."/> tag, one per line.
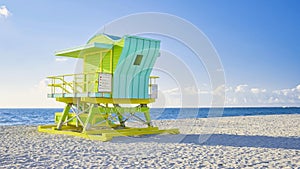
<point x="218" y="139"/>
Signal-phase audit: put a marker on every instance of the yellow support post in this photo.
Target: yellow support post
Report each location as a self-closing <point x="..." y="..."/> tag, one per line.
<point x="89" y="118"/>
<point x="64" y="115"/>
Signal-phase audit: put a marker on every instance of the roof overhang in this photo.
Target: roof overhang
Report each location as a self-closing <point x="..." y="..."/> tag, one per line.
<point x="80" y="51"/>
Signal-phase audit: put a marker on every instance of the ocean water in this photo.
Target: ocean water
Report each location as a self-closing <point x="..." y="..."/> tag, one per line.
<point x="46" y="116"/>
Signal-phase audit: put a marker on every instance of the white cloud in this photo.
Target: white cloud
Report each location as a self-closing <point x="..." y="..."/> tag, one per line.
<point x="257" y="90"/>
<point x="191" y="90"/>
<point x="173" y="91"/>
<point x="298" y="88"/>
<point x="42" y="85"/>
<point x="60" y="59"/>
<point x="273" y="100"/>
<point x="219" y="91"/>
<point x="241" y="88"/>
<point x="204" y="92"/>
<point x="4" y="12"/>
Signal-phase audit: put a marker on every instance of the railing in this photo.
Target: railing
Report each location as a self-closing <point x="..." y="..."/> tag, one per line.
<point x="87" y="84"/>
<point x="153" y="88"/>
<point x="74" y="83"/>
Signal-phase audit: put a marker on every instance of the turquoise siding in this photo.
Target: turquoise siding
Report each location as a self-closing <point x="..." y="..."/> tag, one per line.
<point x="131" y="81"/>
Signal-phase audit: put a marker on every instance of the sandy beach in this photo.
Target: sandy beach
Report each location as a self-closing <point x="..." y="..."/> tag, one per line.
<point x="228" y="142"/>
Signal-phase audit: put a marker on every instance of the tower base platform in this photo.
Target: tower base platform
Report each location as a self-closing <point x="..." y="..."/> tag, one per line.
<point x="104" y="134"/>
<point x="103" y="123"/>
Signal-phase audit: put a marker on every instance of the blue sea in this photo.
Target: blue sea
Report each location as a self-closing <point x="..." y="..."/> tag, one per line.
<point x="46" y="116"/>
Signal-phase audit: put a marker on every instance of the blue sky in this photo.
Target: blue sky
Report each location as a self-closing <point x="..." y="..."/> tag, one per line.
<point x="257" y="42"/>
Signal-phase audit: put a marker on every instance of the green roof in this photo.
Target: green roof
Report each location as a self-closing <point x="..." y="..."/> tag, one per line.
<point x="78" y="52"/>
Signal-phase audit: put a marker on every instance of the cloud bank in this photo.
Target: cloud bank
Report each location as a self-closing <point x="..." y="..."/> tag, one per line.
<point x="236" y="96"/>
<point x="243" y="95"/>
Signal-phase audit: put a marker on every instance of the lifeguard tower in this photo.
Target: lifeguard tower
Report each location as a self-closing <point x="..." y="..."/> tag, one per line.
<point x="116" y="75"/>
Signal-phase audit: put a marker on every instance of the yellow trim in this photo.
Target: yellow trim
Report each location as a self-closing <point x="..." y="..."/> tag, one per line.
<point x="111" y="61"/>
<point x="67" y="99"/>
<point x="104" y="100"/>
<point x="106" y="135"/>
<point x="116" y="101"/>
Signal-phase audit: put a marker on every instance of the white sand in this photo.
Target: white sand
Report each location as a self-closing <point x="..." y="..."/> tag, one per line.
<point x="227" y="142"/>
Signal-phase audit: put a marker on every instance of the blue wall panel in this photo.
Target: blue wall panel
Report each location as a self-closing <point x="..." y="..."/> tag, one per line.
<point x="131" y="81"/>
